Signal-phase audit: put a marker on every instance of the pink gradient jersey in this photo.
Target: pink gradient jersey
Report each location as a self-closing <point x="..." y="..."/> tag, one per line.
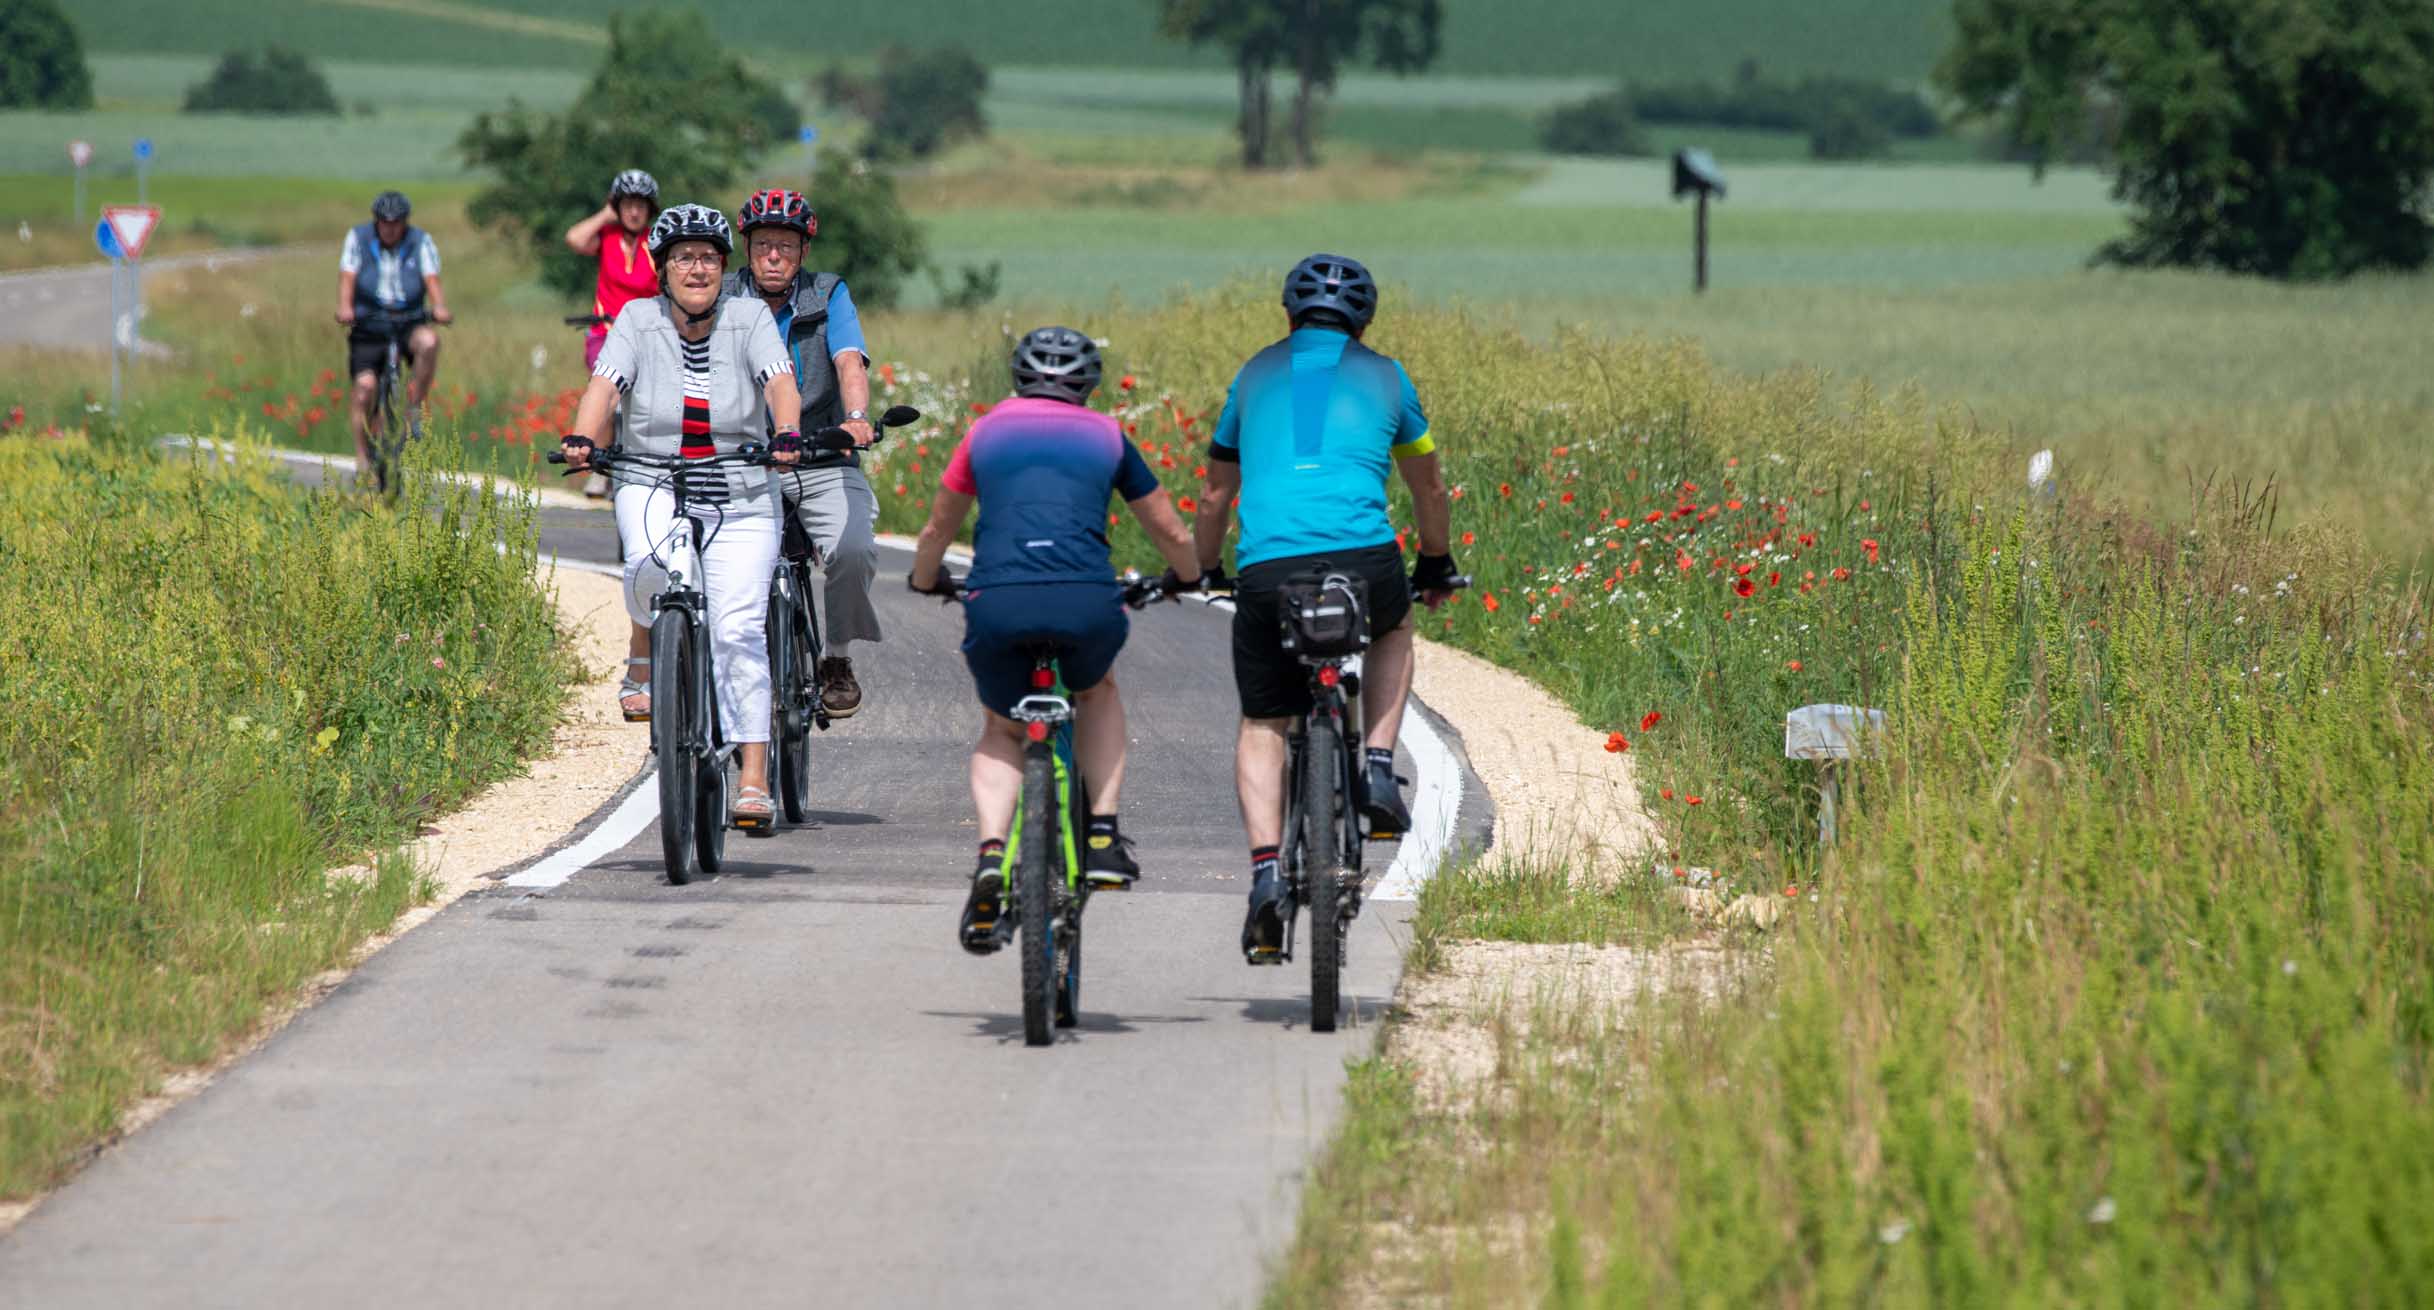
<point x="1042" y="471"/>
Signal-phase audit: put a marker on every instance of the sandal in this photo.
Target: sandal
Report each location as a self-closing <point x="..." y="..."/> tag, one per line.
<point x="629" y="690"/>
<point x="752" y="810"/>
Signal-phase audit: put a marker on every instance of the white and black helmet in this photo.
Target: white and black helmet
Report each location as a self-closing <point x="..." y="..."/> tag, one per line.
<point x="634" y="182"/>
<point x="1058" y="363"/>
<point x="691" y="223"/>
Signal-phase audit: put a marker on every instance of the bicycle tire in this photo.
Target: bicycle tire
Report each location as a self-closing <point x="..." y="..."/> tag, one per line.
<point x="1076" y="891"/>
<point x="383" y="434"/>
<point x="1069" y="975"/>
<point x="671" y="716"/>
<point x="794" y="744"/>
<point x="710" y="815"/>
<point x="1322" y="856"/>
<point x="1035" y="910"/>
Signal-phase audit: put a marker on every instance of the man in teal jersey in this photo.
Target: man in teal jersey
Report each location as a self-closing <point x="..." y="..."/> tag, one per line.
<point x="1310" y="428"/>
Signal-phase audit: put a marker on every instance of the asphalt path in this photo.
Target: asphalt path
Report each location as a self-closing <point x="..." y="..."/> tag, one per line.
<point x="69" y="308"/>
<point x="781" y="1085"/>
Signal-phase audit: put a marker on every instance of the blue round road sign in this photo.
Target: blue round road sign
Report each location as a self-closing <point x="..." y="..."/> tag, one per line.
<point x="810" y="134"/>
<point x="143" y="147"/>
<point x="107" y="239"/>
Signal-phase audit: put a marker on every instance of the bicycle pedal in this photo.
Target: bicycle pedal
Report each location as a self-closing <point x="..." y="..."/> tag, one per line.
<point x="1261" y="957"/>
<point x="749" y="823"/>
<point x="1108" y="883"/>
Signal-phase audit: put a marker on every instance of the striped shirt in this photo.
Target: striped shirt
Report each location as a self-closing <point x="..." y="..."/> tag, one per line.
<point x="697" y="398"/>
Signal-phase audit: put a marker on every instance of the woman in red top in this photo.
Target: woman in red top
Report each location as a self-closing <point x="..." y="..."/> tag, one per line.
<point x="626" y="272"/>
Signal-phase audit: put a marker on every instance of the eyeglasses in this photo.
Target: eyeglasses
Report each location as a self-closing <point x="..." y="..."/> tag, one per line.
<point x="697" y="259"/>
<point x="787" y="247"/>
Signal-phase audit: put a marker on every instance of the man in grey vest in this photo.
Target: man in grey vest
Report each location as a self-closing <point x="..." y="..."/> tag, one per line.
<point x="833" y="500"/>
<point x="388" y="287"/>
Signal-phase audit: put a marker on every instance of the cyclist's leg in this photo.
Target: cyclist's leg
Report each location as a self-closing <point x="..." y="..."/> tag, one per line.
<point x="1273" y="690"/>
<point x="597" y="485"/>
<point x="997" y="775"/>
<point x="1001" y="676"/>
<point x="422" y="345"/>
<point x="1095" y="627"/>
<point x="1385" y="685"/>
<point x="644" y="518"/>
<point x="366" y="354"/>
<point x="839" y="512"/>
<point x="736" y="568"/>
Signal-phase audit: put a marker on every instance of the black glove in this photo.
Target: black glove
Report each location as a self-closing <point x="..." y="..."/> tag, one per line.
<point x="787" y="441"/>
<point x="574" y="439"/>
<point x="1215" y="580"/>
<point x="1175" y="587"/>
<point x="945" y="588"/>
<point x="1433" y="573"/>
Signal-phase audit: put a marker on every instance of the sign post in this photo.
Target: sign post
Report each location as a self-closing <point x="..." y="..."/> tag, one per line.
<point x="810" y="137"/>
<point x="122" y="234"/>
<point x="143" y="170"/>
<point x="80" y="153"/>
<point x="1695" y="173"/>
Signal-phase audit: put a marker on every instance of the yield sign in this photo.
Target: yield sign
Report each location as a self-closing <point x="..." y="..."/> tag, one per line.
<point x="133" y="225"/>
<point x="80" y="153"/>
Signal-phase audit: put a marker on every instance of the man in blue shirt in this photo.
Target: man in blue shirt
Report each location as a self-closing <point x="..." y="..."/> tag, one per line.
<point x="832" y="499"/>
<point x="1311" y="427"/>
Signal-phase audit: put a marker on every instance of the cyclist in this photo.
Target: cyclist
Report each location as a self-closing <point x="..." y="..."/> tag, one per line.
<point x="838" y="511"/>
<point x="388" y="284"/>
<point x="1309" y="428"/>
<point x="617" y="235"/>
<point x="1041" y="466"/>
<point x="696" y="374"/>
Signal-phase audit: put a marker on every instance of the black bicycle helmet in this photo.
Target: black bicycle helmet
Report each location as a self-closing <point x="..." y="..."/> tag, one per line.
<point x="1331" y="286"/>
<point x="391" y="207"/>
<point x="634" y="182"/>
<point x="691" y="223"/>
<point x="1058" y="363"/>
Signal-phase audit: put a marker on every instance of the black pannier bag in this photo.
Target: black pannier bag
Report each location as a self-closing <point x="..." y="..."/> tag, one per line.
<point x="1325" y="615"/>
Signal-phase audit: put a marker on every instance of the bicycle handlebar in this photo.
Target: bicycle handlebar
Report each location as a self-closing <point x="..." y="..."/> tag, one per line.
<point x="606" y="458"/>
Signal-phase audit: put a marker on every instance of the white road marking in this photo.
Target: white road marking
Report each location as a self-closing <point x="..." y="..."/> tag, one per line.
<point x="637" y="812"/>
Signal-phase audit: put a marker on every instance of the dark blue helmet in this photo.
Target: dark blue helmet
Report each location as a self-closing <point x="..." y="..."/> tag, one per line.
<point x="391" y="207"/>
<point x="1331" y="285"/>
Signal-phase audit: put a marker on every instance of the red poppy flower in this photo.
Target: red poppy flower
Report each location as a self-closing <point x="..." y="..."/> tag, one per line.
<point x="1842" y="575"/>
<point x="1191" y="506"/>
<point x="1650" y="720"/>
<point x="1732" y="504"/>
<point x="1864" y="506"/>
<point x="1615" y="745"/>
<point x="1868" y="544"/>
<point x="1692" y="800"/>
<point x="1774" y="579"/>
<point x="1567" y="498"/>
<point x="1793" y="890"/>
<point x="1793" y="665"/>
<point x="1744" y="587"/>
<point x="1504" y="488"/>
<point x="1125" y="382"/>
<point x="1666" y="793"/>
<point x="1469" y="538"/>
<point x="1487" y="601"/>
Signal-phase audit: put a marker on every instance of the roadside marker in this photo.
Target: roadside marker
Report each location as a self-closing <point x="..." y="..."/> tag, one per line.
<point x="133" y="225"/>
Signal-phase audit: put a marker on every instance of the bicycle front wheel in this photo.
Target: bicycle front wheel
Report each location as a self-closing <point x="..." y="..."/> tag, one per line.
<point x="1039" y="851"/>
<point x="792" y="668"/>
<point x="1322" y="865"/>
<point x="672" y="712"/>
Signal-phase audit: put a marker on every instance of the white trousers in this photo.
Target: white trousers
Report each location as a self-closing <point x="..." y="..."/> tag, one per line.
<point x="736" y="567"/>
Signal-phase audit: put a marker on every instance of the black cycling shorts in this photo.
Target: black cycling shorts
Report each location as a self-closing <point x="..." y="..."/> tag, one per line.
<point x="368" y="349"/>
<point x="1273" y="684"/>
<point x="1082" y="622"/>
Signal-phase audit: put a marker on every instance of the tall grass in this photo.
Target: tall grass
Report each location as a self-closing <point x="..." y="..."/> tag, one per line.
<point x="218" y="688"/>
<point x="2117" y="986"/>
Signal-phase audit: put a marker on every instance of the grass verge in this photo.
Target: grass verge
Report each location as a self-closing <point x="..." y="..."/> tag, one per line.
<point x="218" y="689"/>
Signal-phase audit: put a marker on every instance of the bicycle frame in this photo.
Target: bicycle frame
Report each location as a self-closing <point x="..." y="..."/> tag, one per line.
<point x="1335" y="694"/>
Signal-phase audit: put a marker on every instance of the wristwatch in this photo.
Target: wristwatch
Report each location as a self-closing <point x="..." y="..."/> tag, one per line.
<point x="856" y="416"/>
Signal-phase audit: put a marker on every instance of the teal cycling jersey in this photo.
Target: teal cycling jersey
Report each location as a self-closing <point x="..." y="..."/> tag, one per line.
<point x="1317" y="421"/>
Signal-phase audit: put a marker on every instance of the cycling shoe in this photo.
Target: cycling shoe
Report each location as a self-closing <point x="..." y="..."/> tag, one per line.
<point x="982" y="908"/>
<point x="1263" y="929"/>
<point x="1382" y="802"/>
<point x="1108" y="865"/>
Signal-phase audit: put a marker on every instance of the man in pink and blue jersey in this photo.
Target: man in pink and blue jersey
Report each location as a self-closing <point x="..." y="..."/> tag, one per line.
<point x="1041" y="467"/>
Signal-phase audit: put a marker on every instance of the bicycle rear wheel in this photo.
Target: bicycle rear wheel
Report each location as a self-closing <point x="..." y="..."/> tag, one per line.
<point x="791" y="670"/>
<point x="382" y="422"/>
<point x="710" y="813"/>
<point x="671" y="719"/>
<point x="1040" y="851"/>
<point x="1322" y="865"/>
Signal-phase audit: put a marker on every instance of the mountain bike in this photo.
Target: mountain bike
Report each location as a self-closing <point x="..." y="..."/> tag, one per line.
<point x="695" y="759"/>
<point x="386" y="428"/>
<point x="1047" y="890"/>
<point x="1325" y="624"/>
<point x="795" y="643"/>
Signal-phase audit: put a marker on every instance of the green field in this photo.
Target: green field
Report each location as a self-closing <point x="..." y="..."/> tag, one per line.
<point x="1892" y="39"/>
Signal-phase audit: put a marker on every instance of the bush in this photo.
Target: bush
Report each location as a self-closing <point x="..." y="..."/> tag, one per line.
<point x="666" y="98"/>
<point x="1600" y="125"/>
<point x="1844" y="118"/>
<point x="42" y="62"/>
<point x="280" y="682"/>
<point x="282" y="81"/>
<point x="1842" y="131"/>
<point x="921" y="102"/>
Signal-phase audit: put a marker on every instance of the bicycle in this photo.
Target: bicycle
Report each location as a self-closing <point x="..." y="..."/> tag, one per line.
<point x="1051" y="813"/>
<point x="795" y="643"/>
<point x="694" y="759"/>
<point x="1326" y="626"/>
<point x="382" y="421"/>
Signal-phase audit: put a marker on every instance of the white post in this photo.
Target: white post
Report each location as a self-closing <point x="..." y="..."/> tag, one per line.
<point x="118" y="268"/>
<point x="80" y="197"/>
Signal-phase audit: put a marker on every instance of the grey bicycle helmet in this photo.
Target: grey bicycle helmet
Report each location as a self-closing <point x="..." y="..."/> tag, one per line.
<point x="634" y="182"/>
<point x="691" y="223"/>
<point x="391" y="207"/>
<point x="1058" y="363"/>
<point x="1331" y="286"/>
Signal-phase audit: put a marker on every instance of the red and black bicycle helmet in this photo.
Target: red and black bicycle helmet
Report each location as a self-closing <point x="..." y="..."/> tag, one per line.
<point x="778" y="207"/>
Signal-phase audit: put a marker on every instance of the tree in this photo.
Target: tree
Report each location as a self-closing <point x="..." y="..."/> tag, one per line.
<point x="42" y="62"/>
<point x="866" y="237"/>
<point x="1602" y="124"/>
<point x="920" y="103"/>
<point x="1396" y="36"/>
<point x="2292" y="139"/>
<point x="1255" y="31"/>
<point x="282" y="81"/>
<point x="667" y="98"/>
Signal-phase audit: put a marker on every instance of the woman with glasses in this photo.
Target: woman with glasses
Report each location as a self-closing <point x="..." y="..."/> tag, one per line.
<point x="694" y="371"/>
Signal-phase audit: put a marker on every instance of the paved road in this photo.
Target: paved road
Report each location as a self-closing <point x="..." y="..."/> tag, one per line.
<point x="69" y="308"/>
<point x="784" y="1085"/>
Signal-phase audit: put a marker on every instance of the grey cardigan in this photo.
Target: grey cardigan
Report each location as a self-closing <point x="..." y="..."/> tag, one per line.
<point x="644" y="357"/>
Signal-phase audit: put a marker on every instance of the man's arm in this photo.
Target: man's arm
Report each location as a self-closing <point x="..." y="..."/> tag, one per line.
<point x="853" y="387"/>
<point x="1217" y="494"/>
<point x="946" y="519"/>
<point x="439" y="300"/>
<point x="1429" y="502"/>
<point x="1156" y="512"/>
<point x="346" y="296"/>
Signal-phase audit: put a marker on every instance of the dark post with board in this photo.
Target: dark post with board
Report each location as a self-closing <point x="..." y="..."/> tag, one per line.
<point x="1695" y="173"/>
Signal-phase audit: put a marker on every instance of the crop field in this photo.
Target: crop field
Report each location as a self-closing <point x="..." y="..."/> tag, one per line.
<point x="1892" y="39"/>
